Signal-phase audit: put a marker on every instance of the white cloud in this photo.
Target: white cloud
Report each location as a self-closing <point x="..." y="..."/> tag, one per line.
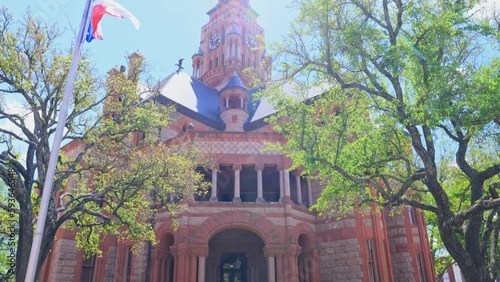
<point x="486" y="9"/>
<point x="15" y="107"/>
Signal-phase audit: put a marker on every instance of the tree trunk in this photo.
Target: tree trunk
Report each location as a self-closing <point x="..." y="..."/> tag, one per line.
<point x="472" y="271"/>
<point x="24" y="247"/>
<point x="26" y="239"/>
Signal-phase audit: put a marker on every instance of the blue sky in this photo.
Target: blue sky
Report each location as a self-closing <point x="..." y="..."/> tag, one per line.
<point x="170" y="30"/>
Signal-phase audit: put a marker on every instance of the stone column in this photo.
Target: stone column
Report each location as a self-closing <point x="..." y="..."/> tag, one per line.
<point x="155" y="271"/>
<point x="293" y="270"/>
<point x="192" y="267"/>
<point x="259" y="168"/>
<point x="291" y="263"/>
<point x="237" y="169"/>
<point x="315" y="266"/>
<point x="305" y="270"/>
<point x="201" y="269"/>
<point x="271" y="272"/>
<point x="167" y="264"/>
<point x="279" y="268"/>
<point x="309" y="192"/>
<point x="160" y="274"/>
<point x="282" y="187"/>
<point x="213" y="197"/>
<point x="286" y="175"/>
<point x="181" y="262"/>
<point x="299" y="189"/>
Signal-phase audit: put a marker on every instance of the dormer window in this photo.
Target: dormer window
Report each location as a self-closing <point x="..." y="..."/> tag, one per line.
<point x="189" y="127"/>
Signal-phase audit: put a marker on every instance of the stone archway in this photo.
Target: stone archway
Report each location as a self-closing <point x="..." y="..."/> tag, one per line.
<point x="163" y="260"/>
<point x="236" y="255"/>
<point x="307" y="260"/>
<point x="247" y="222"/>
<point x="253" y="222"/>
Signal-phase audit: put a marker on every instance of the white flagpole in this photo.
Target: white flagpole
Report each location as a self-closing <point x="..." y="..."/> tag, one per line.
<point x="49" y="178"/>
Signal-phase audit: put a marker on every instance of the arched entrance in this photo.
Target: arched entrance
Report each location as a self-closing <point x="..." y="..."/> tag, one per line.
<point x="164" y="260"/>
<point x="236" y="255"/>
<point x="307" y="266"/>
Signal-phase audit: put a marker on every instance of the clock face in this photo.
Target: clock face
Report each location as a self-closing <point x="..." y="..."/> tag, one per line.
<point x="214" y="41"/>
<point x="251" y="41"/>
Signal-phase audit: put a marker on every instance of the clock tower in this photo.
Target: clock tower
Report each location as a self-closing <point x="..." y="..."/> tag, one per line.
<point x="230" y="42"/>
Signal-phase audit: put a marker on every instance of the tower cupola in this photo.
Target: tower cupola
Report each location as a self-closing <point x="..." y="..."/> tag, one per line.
<point x="231" y="40"/>
<point x="234" y="104"/>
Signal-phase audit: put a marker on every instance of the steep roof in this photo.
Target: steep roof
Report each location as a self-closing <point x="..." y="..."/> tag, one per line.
<point x="199" y="101"/>
<point x="192" y="98"/>
<point x="234" y="82"/>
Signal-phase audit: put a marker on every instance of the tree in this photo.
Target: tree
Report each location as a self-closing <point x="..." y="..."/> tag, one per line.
<point x="113" y="172"/>
<point x="8" y="231"/>
<point x="402" y="83"/>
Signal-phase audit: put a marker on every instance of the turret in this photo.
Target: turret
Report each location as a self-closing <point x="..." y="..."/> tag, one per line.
<point x="198" y="63"/>
<point x="116" y="78"/>
<point x="234" y="104"/>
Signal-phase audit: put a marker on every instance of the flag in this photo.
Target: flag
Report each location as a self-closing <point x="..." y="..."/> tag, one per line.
<point x="109" y="7"/>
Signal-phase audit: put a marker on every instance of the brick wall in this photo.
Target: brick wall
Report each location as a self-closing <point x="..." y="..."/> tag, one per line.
<point x="340" y="261"/>
<point x="109" y="268"/>
<point x="64" y="261"/>
<point x="140" y="263"/>
<point x="402" y="267"/>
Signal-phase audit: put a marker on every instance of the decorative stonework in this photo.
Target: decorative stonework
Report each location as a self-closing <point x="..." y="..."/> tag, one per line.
<point x="234" y="147"/>
<point x="234" y="119"/>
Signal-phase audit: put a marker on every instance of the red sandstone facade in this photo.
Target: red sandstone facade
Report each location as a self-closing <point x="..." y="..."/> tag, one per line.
<point x="254" y="225"/>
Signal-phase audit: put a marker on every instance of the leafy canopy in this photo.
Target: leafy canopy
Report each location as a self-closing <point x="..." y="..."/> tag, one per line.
<point x="408" y="112"/>
<point x="109" y="180"/>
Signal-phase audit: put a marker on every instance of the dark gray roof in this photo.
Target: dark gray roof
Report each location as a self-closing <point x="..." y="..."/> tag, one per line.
<point x="234" y="82"/>
<point x="192" y="98"/>
<point x="201" y="102"/>
<point x="199" y="52"/>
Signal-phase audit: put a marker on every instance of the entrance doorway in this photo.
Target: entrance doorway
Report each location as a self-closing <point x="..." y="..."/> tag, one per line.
<point x="233" y="267"/>
<point x="236" y="255"/>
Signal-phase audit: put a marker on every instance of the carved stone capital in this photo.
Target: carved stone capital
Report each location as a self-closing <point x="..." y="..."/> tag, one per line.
<point x="274" y="251"/>
<point x="236" y="167"/>
<point x="259" y="167"/>
<point x="199" y="250"/>
<point x="297" y="172"/>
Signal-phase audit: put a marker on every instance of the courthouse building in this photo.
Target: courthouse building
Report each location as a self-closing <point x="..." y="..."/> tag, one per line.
<point x="254" y="224"/>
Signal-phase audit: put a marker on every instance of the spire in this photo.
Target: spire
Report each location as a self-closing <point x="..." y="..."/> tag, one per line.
<point x="234" y="82"/>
